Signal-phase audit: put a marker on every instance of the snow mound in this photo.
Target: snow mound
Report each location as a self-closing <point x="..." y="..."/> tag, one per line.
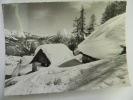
<point x="56" y="52"/>
<point x="11" y="63"/>
<point x="26" y="60"/>
<point x="23" y="66"/>
<point x="105" y="41"/>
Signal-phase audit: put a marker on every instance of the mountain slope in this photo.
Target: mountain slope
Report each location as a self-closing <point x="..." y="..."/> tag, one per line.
<point x="18" y="43"/>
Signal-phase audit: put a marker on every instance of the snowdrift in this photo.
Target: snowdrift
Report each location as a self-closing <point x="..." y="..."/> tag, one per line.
<point x="23" y="66"/>
<point x="105" y="41"/>
<point x="95" y="75"/>
<point x="11" y="63"/>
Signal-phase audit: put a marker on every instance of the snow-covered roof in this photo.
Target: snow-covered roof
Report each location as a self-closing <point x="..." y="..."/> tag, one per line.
<point x="55" y="52"/>
<point x="105" y="41"/>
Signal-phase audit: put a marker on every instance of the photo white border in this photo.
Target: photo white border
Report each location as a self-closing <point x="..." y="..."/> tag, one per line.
<point x="125" y="93"/>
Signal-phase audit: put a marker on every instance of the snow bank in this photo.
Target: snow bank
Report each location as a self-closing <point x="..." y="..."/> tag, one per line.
<point x="23" y="66"/>
<point x="11" y="63"/>
<point x="56" y="52"/>
<point x="105" y="41"/>
<point x="26" y="60"/>
<point x="95" y="75"/>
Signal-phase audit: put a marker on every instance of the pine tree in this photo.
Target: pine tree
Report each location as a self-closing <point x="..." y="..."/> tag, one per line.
<point x="79" y="24"/>
<point x="113" y="9"/>
<point x="76" y="25"/>
<point x="32" y="48"/>
<point x="92" y="24"/>
<point x="82" y="21"/>
<point x="58" y="38"/>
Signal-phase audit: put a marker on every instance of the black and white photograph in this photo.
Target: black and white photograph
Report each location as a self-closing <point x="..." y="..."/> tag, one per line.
<point x="65" y="46"/>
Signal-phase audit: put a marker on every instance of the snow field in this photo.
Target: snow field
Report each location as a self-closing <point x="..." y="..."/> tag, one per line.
<point x="95" y="75"/>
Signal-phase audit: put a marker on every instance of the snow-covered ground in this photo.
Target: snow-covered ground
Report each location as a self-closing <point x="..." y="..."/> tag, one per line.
<point x="11" y="63"/>
<point x="111" y="72"/>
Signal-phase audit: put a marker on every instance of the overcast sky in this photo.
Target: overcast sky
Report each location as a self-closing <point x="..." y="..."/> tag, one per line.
<point x="49" y="18"/>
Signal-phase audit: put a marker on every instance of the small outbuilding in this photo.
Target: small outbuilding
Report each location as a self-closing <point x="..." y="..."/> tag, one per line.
<point x="108" y="40"/>
<point x="51" y="54"/>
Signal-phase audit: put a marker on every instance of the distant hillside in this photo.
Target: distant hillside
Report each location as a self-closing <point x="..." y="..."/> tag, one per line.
<point x="19" y="43"/>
